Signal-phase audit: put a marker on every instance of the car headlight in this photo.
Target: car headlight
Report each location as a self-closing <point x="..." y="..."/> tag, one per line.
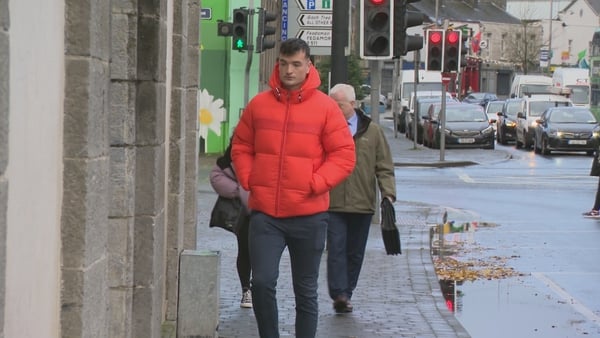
<point x="511" y="124"/>
<point x="533" y="123"/>
<point x="596" y="132"/>
<point x="553" y="133"/>
<point x="487" y="130"/>
<point x="447" y="131"/>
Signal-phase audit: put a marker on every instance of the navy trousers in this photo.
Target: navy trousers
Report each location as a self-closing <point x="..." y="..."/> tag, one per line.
<point x="305" y="239"/>
<point x="347" y="235"/>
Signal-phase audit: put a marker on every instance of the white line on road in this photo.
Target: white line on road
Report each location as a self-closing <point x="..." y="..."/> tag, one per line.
<point x="589" y="314"/>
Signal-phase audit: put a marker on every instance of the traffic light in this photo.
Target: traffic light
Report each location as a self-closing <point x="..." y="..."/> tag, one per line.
<point x="435" y="45"/>
<point x="464" y="48"/>
<point x="452" y="50"/>
<point x="239" y="41"/>
<point x="404" y="19"/>
<point x="376" y="29"/>
<point x="264" y="30"/>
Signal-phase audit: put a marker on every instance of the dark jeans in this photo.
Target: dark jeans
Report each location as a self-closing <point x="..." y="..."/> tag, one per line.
<point x="243" y="256"/>
<point x="347" y="235"/>
<point x="305" y="238"/>
<point x="597" y="199"/>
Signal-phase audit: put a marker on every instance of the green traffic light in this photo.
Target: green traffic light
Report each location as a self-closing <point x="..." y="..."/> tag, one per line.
<point x="239" y="44"/>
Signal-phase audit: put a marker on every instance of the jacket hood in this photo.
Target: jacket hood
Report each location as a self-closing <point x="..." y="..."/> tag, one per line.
<point x="311" y="83"/>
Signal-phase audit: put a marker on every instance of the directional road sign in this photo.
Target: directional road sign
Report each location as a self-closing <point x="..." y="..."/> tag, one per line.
<point x="309" y="20"/>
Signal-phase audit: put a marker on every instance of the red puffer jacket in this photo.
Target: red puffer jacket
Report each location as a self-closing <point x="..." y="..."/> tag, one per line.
<point x="290" y="148"/>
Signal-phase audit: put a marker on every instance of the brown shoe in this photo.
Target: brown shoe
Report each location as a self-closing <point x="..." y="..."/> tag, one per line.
<point x="341" y="304"/>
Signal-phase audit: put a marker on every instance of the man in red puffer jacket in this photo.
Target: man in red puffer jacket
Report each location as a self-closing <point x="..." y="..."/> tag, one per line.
<point x="290" y="148"/>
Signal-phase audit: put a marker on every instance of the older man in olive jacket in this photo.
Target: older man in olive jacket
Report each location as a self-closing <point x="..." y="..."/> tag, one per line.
<point x="353" y="202"/>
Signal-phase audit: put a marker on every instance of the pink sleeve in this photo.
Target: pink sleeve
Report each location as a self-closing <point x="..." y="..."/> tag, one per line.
<point x="224" y="184"/>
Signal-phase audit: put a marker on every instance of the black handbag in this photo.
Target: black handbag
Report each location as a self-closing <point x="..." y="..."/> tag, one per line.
<point x="226" y="214"/>
<point x="389" y="230"/>
<point x="595" y="171"/>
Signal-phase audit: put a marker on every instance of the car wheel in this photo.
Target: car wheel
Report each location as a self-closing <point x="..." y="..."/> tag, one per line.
<point x="545" y="149"/>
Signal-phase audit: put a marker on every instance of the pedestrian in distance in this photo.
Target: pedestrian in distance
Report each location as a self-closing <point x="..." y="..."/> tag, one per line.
<point x="353" y="202"/>
<point x="291" y="146"/>
<point x="224" y="182"/>
<point x="595" y="171"/>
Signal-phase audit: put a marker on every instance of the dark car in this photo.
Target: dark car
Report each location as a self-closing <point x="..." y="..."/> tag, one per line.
<point x="466" y="126"/>
<point x="421" y="109"/>
<point x="506" y="123"/>
<point x="480" y="98"/>
<point x="566" y="129"/>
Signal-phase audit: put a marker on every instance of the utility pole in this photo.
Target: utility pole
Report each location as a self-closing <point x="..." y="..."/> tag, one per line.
<point x="339" y="38"/>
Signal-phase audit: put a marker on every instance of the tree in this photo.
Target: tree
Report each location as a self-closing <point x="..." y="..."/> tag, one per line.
<point x="355" y="78"/>
<point x="523" y="45"/>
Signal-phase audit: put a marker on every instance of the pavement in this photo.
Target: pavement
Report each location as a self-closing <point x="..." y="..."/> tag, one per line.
<point x="396" y="296"/>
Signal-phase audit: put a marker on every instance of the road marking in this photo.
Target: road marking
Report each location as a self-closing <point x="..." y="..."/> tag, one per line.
<point x="589" y="314"/>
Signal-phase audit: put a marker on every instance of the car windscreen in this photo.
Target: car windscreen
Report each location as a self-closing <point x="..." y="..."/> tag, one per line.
<point x="461" y="114"/>
<point x="512" y="108"/>
<point x="572" y="116"/>
<point x="536" y="108"/>
<point x="535" y="89"/>
<point x="580" y="94"/>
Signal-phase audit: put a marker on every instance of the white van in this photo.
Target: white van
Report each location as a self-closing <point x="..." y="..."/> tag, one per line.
<point x="428" y="81"/>
<point x="524" y="85"/>
<point x="577" y="81"/>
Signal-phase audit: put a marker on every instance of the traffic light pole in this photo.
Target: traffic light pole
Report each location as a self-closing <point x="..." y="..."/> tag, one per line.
<point x="339" y="31"/>
<point x="375" y="66"/>
<point x="249" y="54"/>
<point x="416" y="63"/>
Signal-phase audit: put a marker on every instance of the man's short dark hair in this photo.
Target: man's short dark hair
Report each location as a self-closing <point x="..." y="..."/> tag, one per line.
<point x="293" y="46"/>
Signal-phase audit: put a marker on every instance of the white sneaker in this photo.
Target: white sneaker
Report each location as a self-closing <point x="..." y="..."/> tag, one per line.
<point x="246" y="300"/>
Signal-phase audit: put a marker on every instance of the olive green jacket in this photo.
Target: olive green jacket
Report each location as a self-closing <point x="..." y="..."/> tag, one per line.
<point x="374" y="167"/>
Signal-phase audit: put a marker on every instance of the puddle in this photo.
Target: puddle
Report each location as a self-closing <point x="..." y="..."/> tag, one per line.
<point x="488" y="296"/>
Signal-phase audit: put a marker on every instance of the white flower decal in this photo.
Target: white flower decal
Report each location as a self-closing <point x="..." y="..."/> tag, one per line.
<point x="210" y="113"/>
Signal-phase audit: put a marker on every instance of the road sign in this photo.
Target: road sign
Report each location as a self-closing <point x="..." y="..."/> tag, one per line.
<point x="315" y="37"/>
<point x="314" y="5"/>
<point x="315" y="20"/>
<point x="309" y="20"/>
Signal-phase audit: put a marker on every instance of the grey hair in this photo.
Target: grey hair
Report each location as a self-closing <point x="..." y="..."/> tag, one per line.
<point x="345" y="89"/>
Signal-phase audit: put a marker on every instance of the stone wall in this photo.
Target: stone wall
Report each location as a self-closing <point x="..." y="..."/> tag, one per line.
<point x="130" y="163"/>
<point x="84" y="226"/>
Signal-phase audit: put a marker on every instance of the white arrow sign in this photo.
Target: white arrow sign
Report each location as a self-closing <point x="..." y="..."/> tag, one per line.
<point x="315" y="37"/>
<point x="315" y="20"/>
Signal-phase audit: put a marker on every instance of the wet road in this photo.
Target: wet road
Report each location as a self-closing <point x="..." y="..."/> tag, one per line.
<point x="536" y="202"/>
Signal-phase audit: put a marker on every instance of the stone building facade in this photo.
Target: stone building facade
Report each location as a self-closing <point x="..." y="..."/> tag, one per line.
<point x="98" y="164"/>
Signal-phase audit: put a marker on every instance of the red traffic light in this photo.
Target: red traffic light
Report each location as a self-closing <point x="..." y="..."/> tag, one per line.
<point x="452" y="37"/>
<point x="377" y="2"/>
<point x="435" y="37"/>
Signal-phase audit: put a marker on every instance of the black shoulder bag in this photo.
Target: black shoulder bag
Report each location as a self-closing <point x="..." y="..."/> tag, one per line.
<point x="226" y="214"/>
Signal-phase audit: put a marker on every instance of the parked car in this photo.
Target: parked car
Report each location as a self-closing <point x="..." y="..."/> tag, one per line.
<point x="365" y="104"/>
<point x="530" y="110"/>
<point x="480" y="98"/>
<point x="421" y="108"/>
<point x="566" y="129"/>
<point x="466" y="126"/>
<point x="492" y="108"/>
